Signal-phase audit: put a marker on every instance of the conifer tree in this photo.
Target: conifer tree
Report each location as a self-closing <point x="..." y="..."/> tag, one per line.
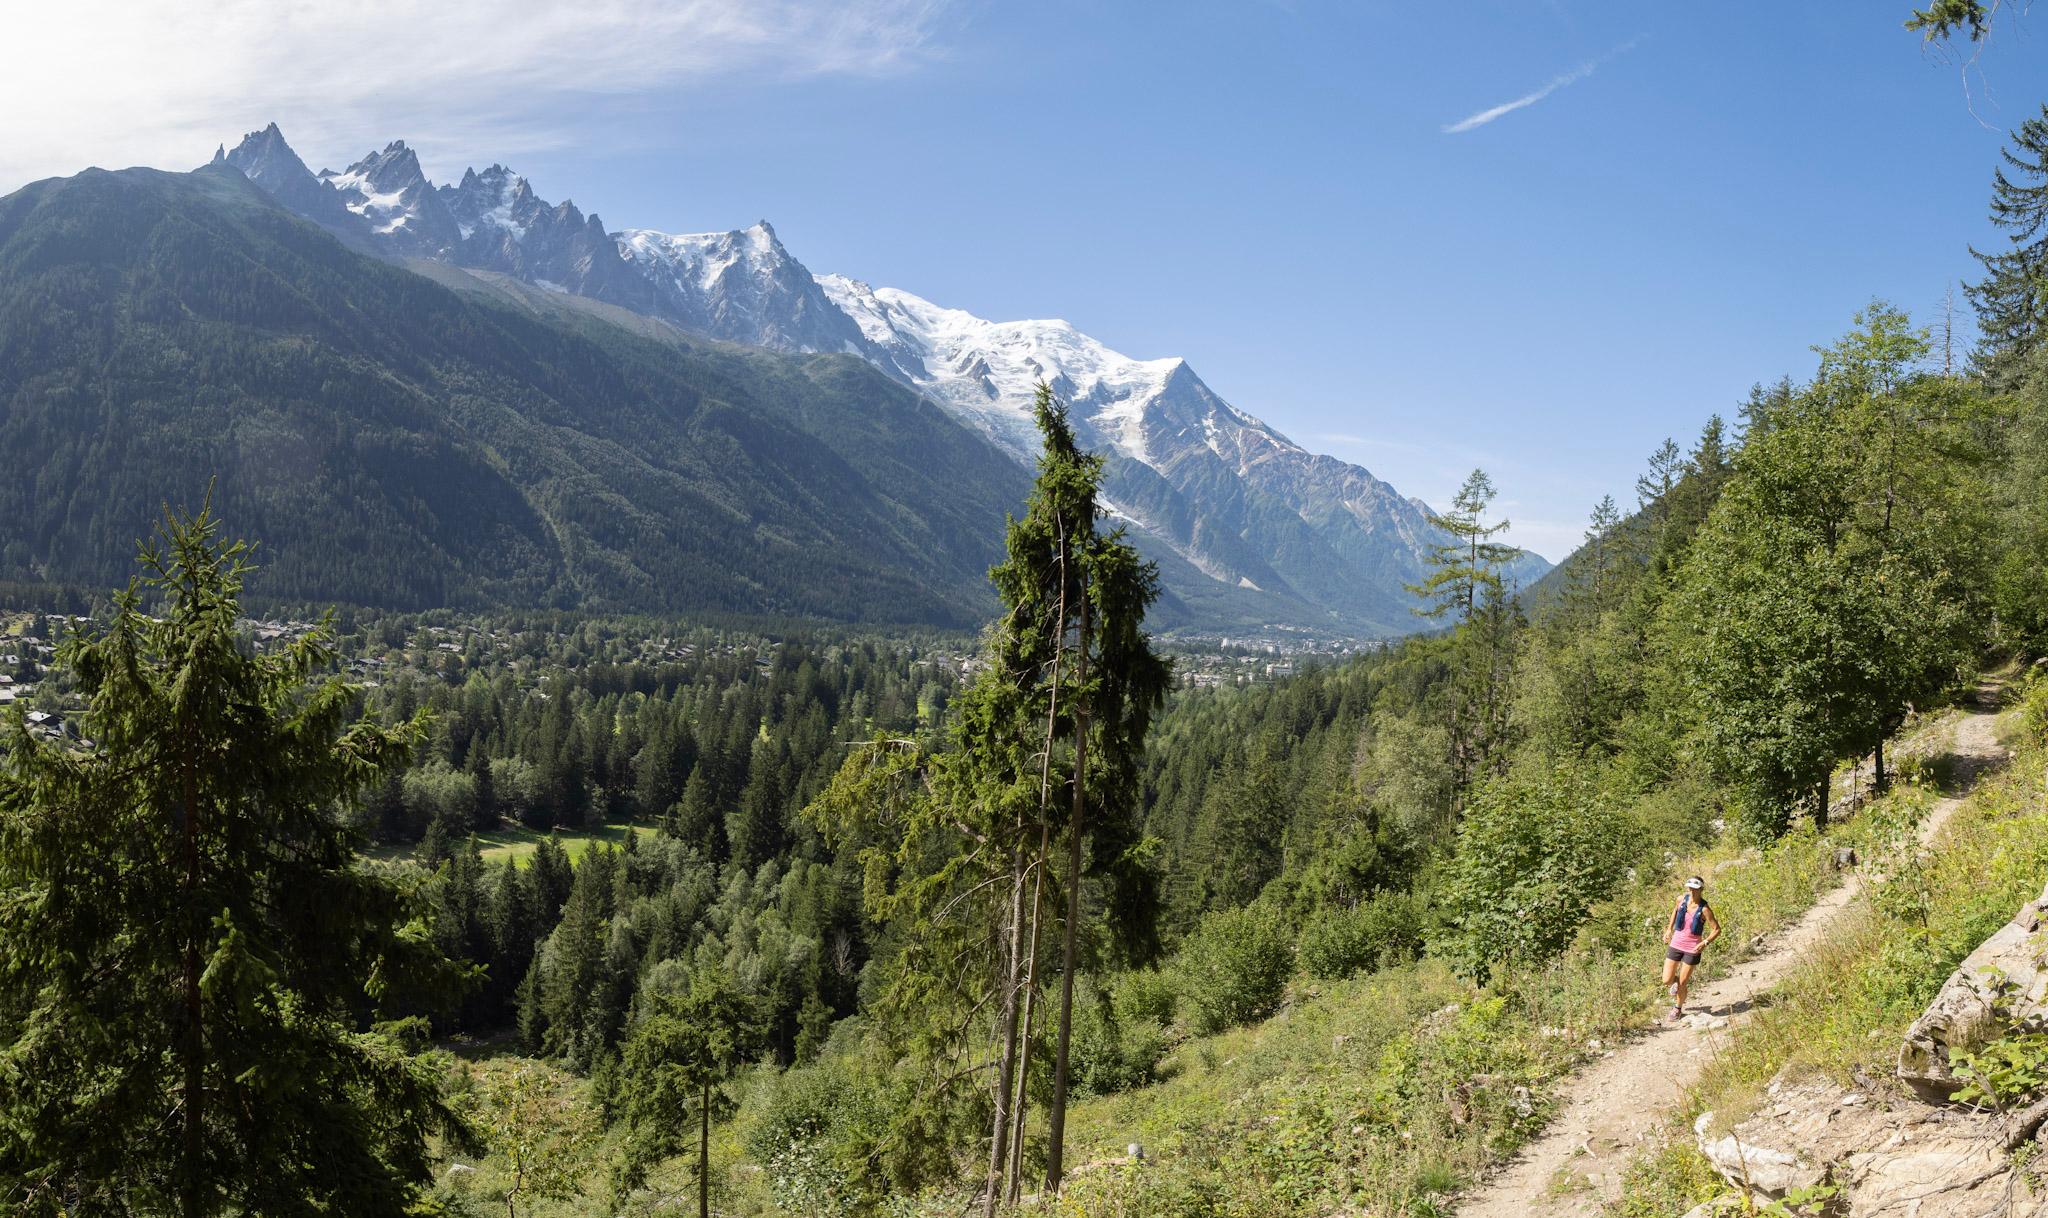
<point x="1463" y="568"/>
<point x="479" y="767"/>
<point x="1465" y="579"/>
<point x="190" y="951"/>
<point x="1654" y="487"/>
<point x="2011" y="299"/>
<point x="682" y="1052"/>
<point x="963" y="848"/>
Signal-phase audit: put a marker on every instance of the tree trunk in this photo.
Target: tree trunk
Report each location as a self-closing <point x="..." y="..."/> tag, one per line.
<point x="1820" y="805"/>
<point x="194" y="1183"/>
<point x="1879" y="784"/>
<point x="1057" y="1122"/>
<point x="704" y="1155"/>
<point x="999" y="1133"/>
<point x="1015" y="1184"/>
<point x="1006" y="1140"/>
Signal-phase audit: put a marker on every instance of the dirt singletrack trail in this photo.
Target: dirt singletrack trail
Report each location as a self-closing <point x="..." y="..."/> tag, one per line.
<point x="1616" y="1103"/>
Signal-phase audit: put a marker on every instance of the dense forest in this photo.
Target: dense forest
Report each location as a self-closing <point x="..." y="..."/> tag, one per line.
<point x="396" y="443"/>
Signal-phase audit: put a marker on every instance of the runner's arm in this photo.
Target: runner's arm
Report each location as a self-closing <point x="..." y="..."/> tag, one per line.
<point x="1713" y="922"/>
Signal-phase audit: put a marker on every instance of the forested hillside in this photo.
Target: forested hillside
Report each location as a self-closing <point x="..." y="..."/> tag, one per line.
<point x="545" y="889"/>
<point x="400" y="445"/>
<point x="826" y="827"/>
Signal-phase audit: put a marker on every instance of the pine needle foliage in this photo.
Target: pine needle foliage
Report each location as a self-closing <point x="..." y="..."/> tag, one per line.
<point x="190" y="953"/>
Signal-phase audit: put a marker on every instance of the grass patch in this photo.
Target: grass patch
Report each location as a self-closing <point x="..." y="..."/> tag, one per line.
<point x="514" y="842"/>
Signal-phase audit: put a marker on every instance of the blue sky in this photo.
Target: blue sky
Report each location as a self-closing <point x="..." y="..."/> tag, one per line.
<point x="1270" y="189"/>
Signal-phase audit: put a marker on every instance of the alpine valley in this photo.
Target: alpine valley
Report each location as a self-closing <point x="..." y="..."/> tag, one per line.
<point x="543" y="410"/>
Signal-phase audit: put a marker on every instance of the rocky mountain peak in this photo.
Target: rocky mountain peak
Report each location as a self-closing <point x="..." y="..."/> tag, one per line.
<point x="267" y="159"/>
<point x="1317" y="539"/>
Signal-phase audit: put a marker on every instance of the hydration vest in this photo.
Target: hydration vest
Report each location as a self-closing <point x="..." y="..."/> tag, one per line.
<point x="1699" y="915"/>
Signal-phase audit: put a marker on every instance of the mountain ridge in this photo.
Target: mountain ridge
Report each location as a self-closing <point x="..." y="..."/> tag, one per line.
<point x="398" y="444"/>
<point x="1280" y="531"/>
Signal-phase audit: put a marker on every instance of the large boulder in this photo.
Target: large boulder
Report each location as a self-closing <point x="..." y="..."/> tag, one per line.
<point x="1909" y="1160"/>
<point x="1999" y="988"/>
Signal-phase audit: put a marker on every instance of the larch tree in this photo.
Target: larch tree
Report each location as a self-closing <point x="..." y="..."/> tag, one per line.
<point x="1465" y="579"/>
<point x="1467" y="564"/>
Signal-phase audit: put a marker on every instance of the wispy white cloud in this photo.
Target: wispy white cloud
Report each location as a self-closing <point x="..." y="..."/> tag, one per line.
<point x="1483" y="117"/>
<point x="119" y="82"/>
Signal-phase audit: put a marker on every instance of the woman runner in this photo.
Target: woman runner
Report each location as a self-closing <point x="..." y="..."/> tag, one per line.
<point x="1685" y="938"/>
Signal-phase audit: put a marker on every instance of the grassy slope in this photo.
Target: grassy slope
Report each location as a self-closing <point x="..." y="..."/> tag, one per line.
<point x="1844" y="1012"/>
<point x="1387" y="1093"/>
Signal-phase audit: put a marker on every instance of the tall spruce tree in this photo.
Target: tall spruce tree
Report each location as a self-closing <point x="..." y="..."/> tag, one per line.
<point x="2011" y="299"/>
<point x="964" y="848"/>
<point x="190" y="953"/>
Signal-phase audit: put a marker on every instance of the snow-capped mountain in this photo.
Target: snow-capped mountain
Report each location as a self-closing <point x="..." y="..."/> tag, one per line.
<point x="1247" y="524"/>
<point x="504" y="226"/>
<point x="742" y="286"/>
<point x="1239" y="501"/>
<point x="393" y="197"/>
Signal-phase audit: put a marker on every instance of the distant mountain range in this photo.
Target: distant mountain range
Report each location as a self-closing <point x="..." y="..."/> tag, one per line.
<point x="1248" y="523"/>
<point x="394" y="443"/>
<point x="558" y="432"/>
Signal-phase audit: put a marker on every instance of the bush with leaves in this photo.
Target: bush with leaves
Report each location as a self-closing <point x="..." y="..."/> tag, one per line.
<point x="1535" y="852"/>
<point x="1337" y="941"/>
<point x="1234" y="968"/>
<point x="1114" y="1049"/>
<point x="817" y="1136"/>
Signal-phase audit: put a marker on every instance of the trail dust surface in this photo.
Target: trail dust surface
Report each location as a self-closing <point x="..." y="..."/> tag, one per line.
<point x="1620" y="1101"/>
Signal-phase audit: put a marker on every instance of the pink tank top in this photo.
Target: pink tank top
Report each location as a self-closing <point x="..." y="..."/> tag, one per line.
<point x="1683" y="937"/>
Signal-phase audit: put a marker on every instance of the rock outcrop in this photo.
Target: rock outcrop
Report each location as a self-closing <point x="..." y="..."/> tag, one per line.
<point x="1907" y="1159"/>
<point x="2000" y="987"/>
<point x="1876" y="1151"/>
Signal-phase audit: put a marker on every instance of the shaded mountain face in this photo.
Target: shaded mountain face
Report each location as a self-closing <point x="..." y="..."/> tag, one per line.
<point x="395" y="443"/>
<point x="1250" y="527"/>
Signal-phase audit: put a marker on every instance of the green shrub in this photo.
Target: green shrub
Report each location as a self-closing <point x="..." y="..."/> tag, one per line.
<point x="1678" y="817"/>
<point x="2033" y="701"/>
<point x="1234" y="967"/>
<point x="1112" y="1051"/>
<point x="1535" y="852"/>
<point x="1338" y="942"/>
<point x="812" y="1137"/>
<point x="1146" y="994"/>
<point x="2005" y="1072"/>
